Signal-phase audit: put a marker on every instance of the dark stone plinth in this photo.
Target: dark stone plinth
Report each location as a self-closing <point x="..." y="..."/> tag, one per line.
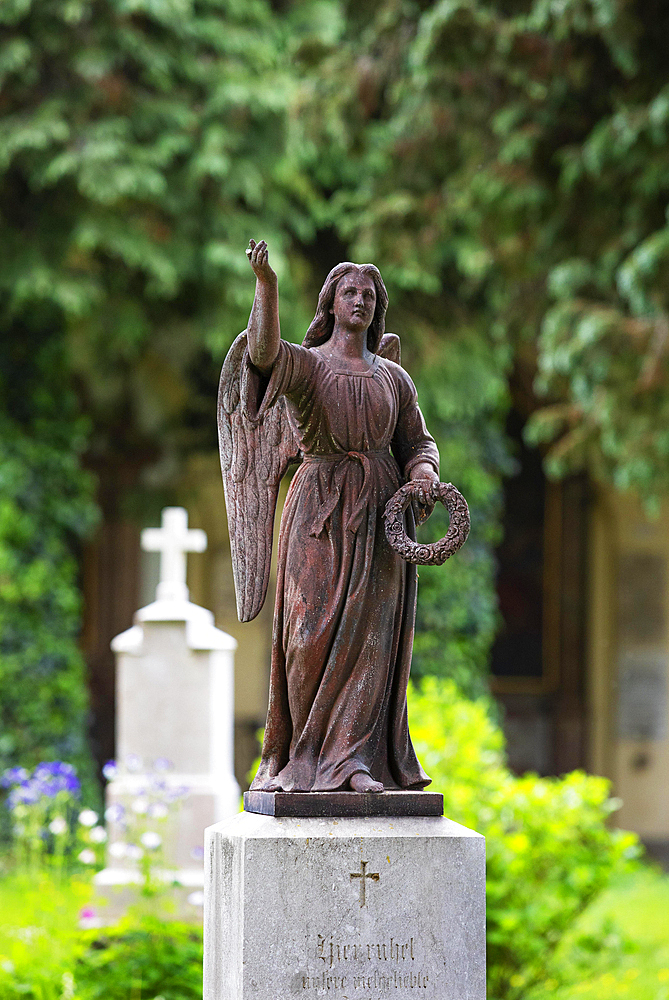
<point x="345" y="803"/>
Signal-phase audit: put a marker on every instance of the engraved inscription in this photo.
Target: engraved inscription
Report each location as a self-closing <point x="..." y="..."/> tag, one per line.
<point x="331" y="951"/>
<point x="348" y="970"/>
<point x="380" y="981"/>
<point x="363" y="875"/>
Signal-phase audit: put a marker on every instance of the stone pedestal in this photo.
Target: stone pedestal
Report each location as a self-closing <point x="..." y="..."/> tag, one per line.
<point x="349" y="908"/>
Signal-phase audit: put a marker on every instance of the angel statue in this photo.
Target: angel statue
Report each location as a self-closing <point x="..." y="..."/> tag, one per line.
<point x="343" y="407"/>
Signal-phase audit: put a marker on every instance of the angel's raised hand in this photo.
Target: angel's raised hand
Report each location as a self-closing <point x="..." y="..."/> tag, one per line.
<point x="258" y="255"/>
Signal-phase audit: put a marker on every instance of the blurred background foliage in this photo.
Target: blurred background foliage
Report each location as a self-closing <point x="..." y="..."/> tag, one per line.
<point x="504" y="163"/>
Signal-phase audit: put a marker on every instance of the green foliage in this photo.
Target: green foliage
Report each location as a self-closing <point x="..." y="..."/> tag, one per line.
<point x="45" y="507"/>
<point x="136" y="145"/>
<point x="138" y="140"/>
<point x="619" y="949"/>
<point x="462" y="394"/>
<point x="550" y="850"/>
<point x="44" y="955"/>
<point x="142" y="960"/>
<point x="39" y="935"/>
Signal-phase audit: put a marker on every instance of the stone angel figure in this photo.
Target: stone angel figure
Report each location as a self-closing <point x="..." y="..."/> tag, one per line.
<point x="345" y="600"/>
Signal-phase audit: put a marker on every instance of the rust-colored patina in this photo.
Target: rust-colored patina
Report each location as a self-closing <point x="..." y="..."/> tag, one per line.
<point x="346" y="599"/>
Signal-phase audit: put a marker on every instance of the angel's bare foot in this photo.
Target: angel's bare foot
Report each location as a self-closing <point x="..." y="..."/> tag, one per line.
<point x="361" y="782"/>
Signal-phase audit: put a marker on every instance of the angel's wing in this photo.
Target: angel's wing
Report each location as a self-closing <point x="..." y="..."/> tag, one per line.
<point x="255" y="453"/>
<point x="390" y="348"/>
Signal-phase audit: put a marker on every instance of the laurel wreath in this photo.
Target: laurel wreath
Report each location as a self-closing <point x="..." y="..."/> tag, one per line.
<point x="435" y="553"/>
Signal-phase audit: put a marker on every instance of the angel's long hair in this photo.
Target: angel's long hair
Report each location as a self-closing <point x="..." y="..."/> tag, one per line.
<point x="322" y="324"/>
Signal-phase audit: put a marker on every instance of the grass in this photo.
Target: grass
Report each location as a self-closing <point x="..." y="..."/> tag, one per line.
<point x="40" y="938"/>
<point x="632" y="959"/>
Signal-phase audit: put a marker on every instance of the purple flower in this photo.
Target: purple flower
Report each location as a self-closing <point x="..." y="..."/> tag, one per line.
<point x="47" y="780"/>
<point x="162" y="764"/>
<point x="115" y="812"/>
<point x="177" y="792"/>
<point x="110" y="770"/>
<point x="197" y="853"/>
<point x="25" y="794"/>
<point x="56" y="776"/>
<point x="13" y="776"/>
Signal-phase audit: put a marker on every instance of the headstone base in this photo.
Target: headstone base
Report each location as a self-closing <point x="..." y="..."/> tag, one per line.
<point x="119" y="889"/>
<point x="351" y="908"/>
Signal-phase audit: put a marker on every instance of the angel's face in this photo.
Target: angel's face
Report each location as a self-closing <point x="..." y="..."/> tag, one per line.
<point x="354" y="301"/>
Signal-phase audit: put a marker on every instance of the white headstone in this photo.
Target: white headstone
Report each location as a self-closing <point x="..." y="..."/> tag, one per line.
<point x="174" y="702"/>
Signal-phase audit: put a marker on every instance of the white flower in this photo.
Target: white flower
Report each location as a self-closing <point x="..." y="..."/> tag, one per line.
<point x="98" y="835"/>
<point x="151" y="840"/>
<point x="158" y="810"/>
<point x="140" y="805"/>
<point x="118" y="849"/>
<point x="133" y="762"/>
<point x="87" y="857"/>
<point x="88" y="919"/>
<point x="58" y="825"/>
<point x="88" y="818"/>
<point x="134" y="852"/>
<point x="196" y="898"/>
<point x="114" y="813"/>
<point x="162" y="764"/>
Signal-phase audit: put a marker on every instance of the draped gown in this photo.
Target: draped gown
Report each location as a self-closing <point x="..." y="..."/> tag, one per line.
<point x="345" y="601"/>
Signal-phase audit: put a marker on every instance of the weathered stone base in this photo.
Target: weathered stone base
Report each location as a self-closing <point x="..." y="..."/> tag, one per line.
<point x="351" y="909"/>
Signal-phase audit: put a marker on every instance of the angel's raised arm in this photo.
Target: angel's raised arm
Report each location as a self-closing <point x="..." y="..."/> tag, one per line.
<point x="263" y="330"/>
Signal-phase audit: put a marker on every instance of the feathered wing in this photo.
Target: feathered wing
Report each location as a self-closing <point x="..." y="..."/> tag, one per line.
<point x="390" y="348"/>
<point x="255" y="453"/>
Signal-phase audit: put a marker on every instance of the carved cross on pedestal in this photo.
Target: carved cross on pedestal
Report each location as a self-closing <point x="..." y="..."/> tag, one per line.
<point x="363" y="875"/>
<point x="173" y="540"/>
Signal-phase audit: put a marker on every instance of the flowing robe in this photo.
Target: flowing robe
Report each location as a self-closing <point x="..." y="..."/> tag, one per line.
<point x="345" y="601"/>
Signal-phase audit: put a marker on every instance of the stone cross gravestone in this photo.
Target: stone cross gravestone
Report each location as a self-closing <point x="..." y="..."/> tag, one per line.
<point x="174" y="703"/>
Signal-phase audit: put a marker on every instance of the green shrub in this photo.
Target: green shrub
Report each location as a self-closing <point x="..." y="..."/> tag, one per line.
<point x="45" y="955"/>
<point x="142" y="960"/>
<point x="550" y="848"/>
<point x="46" y="510"/>
<point x="39" y="934"/>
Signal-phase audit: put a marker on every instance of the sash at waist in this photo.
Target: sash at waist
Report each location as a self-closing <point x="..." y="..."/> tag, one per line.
<point x="339" y="456"/>
<point x="336" y="480"/>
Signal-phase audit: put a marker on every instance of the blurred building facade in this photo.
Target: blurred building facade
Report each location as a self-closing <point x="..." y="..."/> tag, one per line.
<point x="581" y="665"/>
